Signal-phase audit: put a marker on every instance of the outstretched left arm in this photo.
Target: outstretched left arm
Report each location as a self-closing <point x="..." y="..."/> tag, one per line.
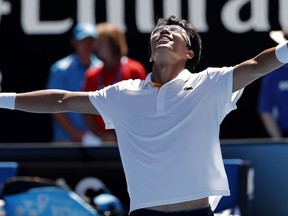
<point x="262" y="64"/>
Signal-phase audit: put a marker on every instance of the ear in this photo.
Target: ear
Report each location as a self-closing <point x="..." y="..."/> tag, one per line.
<point x="151" y="59"/>
<point x="190" y="54"/>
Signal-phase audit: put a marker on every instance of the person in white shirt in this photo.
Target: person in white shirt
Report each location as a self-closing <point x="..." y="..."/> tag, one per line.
<point x="172" y="165"/>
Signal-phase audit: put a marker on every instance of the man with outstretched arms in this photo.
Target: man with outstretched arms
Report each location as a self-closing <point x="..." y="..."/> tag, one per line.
<point x="172" y="165"/>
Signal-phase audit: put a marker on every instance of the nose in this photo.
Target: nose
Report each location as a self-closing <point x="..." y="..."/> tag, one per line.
<point x="165" y="29"/>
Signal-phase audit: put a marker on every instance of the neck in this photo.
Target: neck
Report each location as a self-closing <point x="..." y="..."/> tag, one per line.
<point x="84" y="59"/>
<point x="166" y="66"/>
<point x="165" y="73"/>
<point x="111" y="64"/>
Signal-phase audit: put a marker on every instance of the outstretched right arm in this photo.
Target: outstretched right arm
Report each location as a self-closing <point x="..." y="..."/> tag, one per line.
<point x="49" y="101"/>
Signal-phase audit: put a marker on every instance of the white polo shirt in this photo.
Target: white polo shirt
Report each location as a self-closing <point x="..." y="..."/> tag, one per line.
<point x="169" y="139"/>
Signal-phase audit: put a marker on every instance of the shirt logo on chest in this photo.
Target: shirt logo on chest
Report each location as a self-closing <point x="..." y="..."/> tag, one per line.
<point x="188" y="88"/>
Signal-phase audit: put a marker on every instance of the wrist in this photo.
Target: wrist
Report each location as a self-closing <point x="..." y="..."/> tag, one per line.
<point x="7" y="100"/>
<point x="281" y="52"/>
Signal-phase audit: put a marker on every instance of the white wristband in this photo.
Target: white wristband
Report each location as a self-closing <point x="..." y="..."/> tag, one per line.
<point x="7" y="100"/>
<point x="281" y="52"/>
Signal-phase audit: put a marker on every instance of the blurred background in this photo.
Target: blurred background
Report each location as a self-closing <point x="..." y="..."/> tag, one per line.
<point x="34" y="34"/>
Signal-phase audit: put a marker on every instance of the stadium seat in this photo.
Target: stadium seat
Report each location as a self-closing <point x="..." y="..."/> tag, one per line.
<point x="47" y="201"/>
<point x="7" y="170"/>
<point x="238" y="184"/>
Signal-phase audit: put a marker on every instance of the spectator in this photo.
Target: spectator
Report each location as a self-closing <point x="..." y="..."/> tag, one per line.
<point x="273" y="96"/>
<point x="69" y="74"/>
<point x="111" y="47"/>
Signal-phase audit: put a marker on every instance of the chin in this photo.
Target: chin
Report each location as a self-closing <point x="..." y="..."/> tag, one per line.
<point x="167" y="46"/>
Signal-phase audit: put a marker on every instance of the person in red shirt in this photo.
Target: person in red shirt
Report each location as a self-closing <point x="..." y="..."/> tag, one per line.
<point x="111" y="47"/>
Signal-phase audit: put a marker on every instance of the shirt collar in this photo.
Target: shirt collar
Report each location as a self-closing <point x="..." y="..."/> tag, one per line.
<point x="183" y="75"/>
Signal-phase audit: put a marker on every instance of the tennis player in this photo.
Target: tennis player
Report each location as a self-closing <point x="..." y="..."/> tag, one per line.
<point x="167" y="125"/>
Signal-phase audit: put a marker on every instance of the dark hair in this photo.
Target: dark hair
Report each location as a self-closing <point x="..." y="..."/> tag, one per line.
<point x="196" y="43"/>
